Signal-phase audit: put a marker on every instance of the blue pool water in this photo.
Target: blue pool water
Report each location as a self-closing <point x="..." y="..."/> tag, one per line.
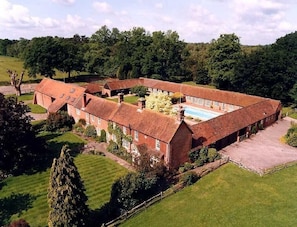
<point x="200" y="113"/>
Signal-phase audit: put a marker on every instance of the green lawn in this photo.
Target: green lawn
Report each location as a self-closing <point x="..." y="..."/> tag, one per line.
<point x="36" y="108"/>
<point x="26" y="196"/>
<point x="229" y="196"/>
<point x="129" y="99"/>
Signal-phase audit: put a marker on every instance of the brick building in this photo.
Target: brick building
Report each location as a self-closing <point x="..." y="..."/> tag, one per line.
<point x="165" y="137"/>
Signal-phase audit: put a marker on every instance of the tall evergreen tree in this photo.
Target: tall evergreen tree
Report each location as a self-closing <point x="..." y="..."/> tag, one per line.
<point x="66" y="195"/>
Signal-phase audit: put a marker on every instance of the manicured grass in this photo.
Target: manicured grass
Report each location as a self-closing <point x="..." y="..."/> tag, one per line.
<point x="129" y="99"/>
<point x="229" y="196"/>
<point x="36" y="108"/>
<point x="200" y="85"/>
<point x="26" y="196"/>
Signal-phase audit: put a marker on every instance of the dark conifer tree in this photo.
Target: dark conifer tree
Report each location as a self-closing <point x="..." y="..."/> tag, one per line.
<point x="66" y="195"/>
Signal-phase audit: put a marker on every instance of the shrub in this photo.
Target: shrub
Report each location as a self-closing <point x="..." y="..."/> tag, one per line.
<point x="199" y="163"/>
<point x="254" y="129"/>
<point x="212" y="154"/>
<point x="188" y="166"/>
<point x="90" y="131"/>
<point x="292" y="140"/>
<point x="181" y="169"/>
<point x="82" y="122"/>
<point x="79" y="128"/>
<point x="112" y="147"/>
<point x="59" y="121"/>
<point x="102" y="136"/>
<point x="189" y="178"/>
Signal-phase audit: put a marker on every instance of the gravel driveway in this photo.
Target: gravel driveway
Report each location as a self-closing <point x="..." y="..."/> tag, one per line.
<point x="263" y="151"/>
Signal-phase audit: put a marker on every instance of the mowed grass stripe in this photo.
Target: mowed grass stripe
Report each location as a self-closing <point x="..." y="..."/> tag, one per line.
<point x="97" y="184"/>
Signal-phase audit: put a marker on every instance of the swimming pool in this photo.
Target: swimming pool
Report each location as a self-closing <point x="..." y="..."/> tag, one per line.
<point x="200" y="113"/>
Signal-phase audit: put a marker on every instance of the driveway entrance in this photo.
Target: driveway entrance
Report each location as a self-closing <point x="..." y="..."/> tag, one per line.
<point x="263" y="151"/>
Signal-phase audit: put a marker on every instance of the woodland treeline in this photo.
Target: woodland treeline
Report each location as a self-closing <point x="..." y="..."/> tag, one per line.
<point x="268" y="71"/>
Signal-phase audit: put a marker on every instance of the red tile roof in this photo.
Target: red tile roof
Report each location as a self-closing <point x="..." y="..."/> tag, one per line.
<point x="122" y="84"/>
<point x="227" y="97"/>
<point x="61" y="92"/>
<point x="148" y="122"/>
<point x="224" y="125"/>
<point x="98" y="107"/>
<point x="93" y="88"/>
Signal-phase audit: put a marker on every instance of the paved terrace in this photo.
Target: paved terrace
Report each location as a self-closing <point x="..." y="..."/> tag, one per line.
<point x="263" y="151"/>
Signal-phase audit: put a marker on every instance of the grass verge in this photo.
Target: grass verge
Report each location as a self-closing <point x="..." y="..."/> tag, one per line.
<point x="229" y="196"/>
<point x="129" y="99"/>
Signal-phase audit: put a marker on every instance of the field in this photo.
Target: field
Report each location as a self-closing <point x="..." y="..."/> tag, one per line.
<point x="26" y="196"/>
<point x="229" y="196"/>
<point x="17" y="65"/>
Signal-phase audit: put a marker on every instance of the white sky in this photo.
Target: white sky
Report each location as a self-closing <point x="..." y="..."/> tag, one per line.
<point x="253" y="21"/>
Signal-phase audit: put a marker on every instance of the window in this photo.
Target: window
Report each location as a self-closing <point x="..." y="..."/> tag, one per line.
<point x="157" y="144"/>
<point x="124" y="130"/>
<point x="92" y="118"/>
<point x="98" y="131"/>
<point x="77" y="111"/>
<point x="125" y="144"/>
<point x="99" y="121"/>
<point x="136" y="135"/>
<point x="87" y="118"/>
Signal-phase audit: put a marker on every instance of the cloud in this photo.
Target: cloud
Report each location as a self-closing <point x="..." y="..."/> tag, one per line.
<point x="102" y="7"/>
<point x="159" y="5"/>
<point x="64" y="2"/>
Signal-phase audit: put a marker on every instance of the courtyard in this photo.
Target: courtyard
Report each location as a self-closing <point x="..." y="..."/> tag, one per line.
<point x="263" y="152"/>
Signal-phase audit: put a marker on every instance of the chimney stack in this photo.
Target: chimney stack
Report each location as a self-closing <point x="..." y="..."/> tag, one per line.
<point x="120" y="97"/>
<point x="180" y="113"/>
<point x="84" y="101"/>
<point x="141" y="103"/>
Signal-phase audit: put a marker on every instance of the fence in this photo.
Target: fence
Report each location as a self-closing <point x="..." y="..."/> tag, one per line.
<point x="135" y="210"/>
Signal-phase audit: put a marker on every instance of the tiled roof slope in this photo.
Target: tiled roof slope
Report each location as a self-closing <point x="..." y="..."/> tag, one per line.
<point x="61" y="92"/>
<point x="228" y="97"/>
<point x="224" y="125"/>
<point x="98" y="107"/>
<point x="56" y="88"/>
<point x="122" y="84"/>
<point x="93" y="88"/>
<point x="148" y="122"/>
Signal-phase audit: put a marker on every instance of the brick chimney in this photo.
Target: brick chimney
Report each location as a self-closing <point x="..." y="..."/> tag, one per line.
<point x="141" y="103"/>
<point x="84" y="101"/>
<point x="180" y="113"/>
<point x="120" y="97"/>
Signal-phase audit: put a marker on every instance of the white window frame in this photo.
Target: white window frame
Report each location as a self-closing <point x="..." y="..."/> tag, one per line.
<point x="136" y="135"/>
<point x="158" y="145"/>
<point x="124" y="130"/>
<point x="99" y="120"/>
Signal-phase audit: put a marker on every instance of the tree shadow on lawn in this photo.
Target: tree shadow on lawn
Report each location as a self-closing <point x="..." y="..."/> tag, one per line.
<point x="52" y="150"/>
<point x="14" y="204"/>
<point x="100" y="216"/>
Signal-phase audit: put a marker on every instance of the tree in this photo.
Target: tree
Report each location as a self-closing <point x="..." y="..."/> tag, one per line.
<point x="71" y="56"/>
<point x="42" y="56"/>
<point x="16" y="82"/>
<point x="130" y="190"/>
<point x="17" y="139"/>
<point x="223" y="55"/>
<point x="66" y="193"/>
<point x="139" y="90"/>
<point x="159" y="102"/>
